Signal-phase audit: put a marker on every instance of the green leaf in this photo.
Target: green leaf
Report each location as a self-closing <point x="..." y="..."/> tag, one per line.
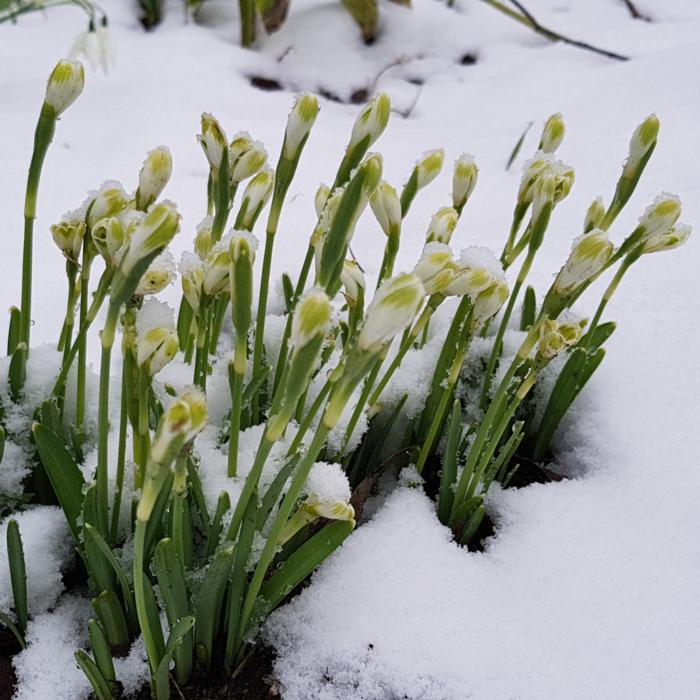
<point x="467" y="534"/>
<point x="2" y="442"/>
<point x="100" y="569"/>
<point x="595" y="338"/>
<point x="449" y="464"/>
<point x="463" y="511"/>
<point x="18" y="371"/>
<point x="18" y="574"/>
<point x="97" y="680"/>
<point x="7" y="622"/>
<point x="154" y="527"/>
<point x="179" y="631"/>
<point x="518" y="146"/>
<point x="184" y="322"/>
<point x="288" y="289"/>
<point x="109" y="612"/>
<point x="274" y="490"/>
<point x="529" y="312"/>
<point x="14" y="329"/>
<point x="214" y="534"/>
<point x="255" y="384"/>
<point x="198" y="493"/>
<point x="66" y="479"/>
<point x="101" y="651"/>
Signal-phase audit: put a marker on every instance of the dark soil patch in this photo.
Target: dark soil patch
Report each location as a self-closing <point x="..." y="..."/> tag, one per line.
<point x="8" y="648"/>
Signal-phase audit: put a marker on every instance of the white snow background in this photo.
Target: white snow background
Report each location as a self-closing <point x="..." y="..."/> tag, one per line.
<point x="590" y="587"/>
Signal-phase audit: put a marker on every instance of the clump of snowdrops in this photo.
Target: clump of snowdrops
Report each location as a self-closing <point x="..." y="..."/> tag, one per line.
<point x="197" y="582"/>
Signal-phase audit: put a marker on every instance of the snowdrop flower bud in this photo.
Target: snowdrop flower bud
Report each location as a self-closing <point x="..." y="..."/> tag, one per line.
<point x="322" y="194"/>
<point x="555" y="337"/>
<point x="246" y="157"/>
<point x="68" y="236"/>
<point x="160" y="273"/>
<point x="564" y="180"/>
<point x="594" y="215"/>
<point x="65" y="84"/>
<point x="213" y="140"/>
<point x="387" y="208"/>
<point x="243" y="245"/>
<point x="157" y="229"/>
<point x="429" y="167"/>
<point x="476" y="270"/>
<point x="589" y="254"/>
<point x="192" y="276"/>
<point x="543" y="192"/>
<point x="216" y="268"/>
<point x="435" y="267"/>
<point x="203" y="241"/>
<point x="242" y="251"/>
<point x="371" y="122"/>
<point x="111" y="239"/>
<point x="312" y="318"/>
<point x="442" y="225"/>
<point x="110" y="200"/>
<point x="156" y="337"/>
<point x="552" y="134"/>
<point x="660" y="215"/>
<point x="642" y="141"/>
<point x="256" y="195"/>
<point x="153" y="177"/>
<point x="353" y="280"/>
<point x="372" y="167"/>
<point x="464" y="179"/>
<point x="489" y="302"/>
<point x="531" y="172"/>
<point x="299" y="123"/>
<point x="393" y="308"/>
<point x="673" y="238"/>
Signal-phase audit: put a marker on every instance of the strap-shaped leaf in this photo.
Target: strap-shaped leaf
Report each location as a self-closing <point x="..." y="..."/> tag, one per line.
<point x="98" y="682"/>
<point x="101" y="651"/>
<point x="7" y="622"/>
<point x="18" y="574"/>
<point x="467" y="534"/>
<point x="18" y="370"/>
<point x="177" y="634"/>
<point x="449" y="464"/>
<point x="529" y="312"/>
<point x="14" y="329"/>
<point x="109" y="612"/>
<point x="223" y="505"/>
<point x="272" y="495"/>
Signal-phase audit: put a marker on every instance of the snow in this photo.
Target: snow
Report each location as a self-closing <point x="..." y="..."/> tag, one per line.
<point x="589" y="588"/>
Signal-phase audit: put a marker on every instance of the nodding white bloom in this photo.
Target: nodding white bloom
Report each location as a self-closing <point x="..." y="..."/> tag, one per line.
<point x="312" y="317"/>
<point x="246" y="157"/>
<point x="256" y="195"/>
<point x="299" y="123"/>
<point x="156" y="337"/>
<point x="160" y="273"/>
<point x="322" y="194"/>
<point x="386" y="207"/>
<point x="557" y="336"/>
<point x="435" y="269"/>
<point x="110" y="200"/>
<point x="442" y="225"/>
<point x="192" y="277"/>
<point x="68" y="235"/>
<point x="428" y="167"/>
<point x="489" y="302"/>
<point x="589" y="254"/>
<point x="157" y="229"/>
<point x="65" y="84"/>
<point x="372" y="121"/>
<point x="552" y="133"/>
<point x="213" y="140"/>
<point x="673" y="238"/>
<point x="395" y="305"/>
<point x="96" y="45"/>
<point x="594" y="215"/>
<point x="476" y="270"/>
<point x="535" y="168"/>
<point x="642" y="141"/>
<point x="660" y="215"/>
<point x="154" y="176"/>
<point x="202" y="240"/>
<point x="464" y="178"/>
<point x="216" y="268"/>
<point x="353" y="280"/>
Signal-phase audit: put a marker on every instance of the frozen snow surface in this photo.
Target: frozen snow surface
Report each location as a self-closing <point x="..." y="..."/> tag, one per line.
<point x="589" y="587"/>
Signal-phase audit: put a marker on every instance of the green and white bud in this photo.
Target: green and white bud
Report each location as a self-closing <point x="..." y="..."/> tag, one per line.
<point x="312" y="318"/>
<point x="535" y="168"/>
<point x="476" y="270"/>
<point x="589" y="254"/>
<point x="242" y="249"/>
<point x="372" y="167"/>
<point x="203" y="241"/>
<point x="371" y="122"/>
<point x="257" y="194"/>
<point x="110" y="200"/>
<point x="387" y="208"/>
<point x="68" y="235"/>
<point x="111" y="239"/>
<point x="156" y="336"/>
<point x="246" y="157"/>
<point x="322" y="194"/>
<point x="428" y="167"/>
<point x="154" y="176"/>
<point x="642" y="141"/>
<point x="660" y="216"/>
<point x="464" y="178"/>
<point x="216" y="268"/>
<point x="299" y="123"/>
<point x="489" y="302"/>
<point x="213" y="140"/>
<point x="556" y="337"/>
<point x="353" y="280"/>
<point x="552" y="134"/>
<point x="674" y="238"/>
<point x="160" y="273"/>
<point x="395" y="305"/>
<point x="442" y="225"/>
<point x="435" y="269"/>
<point x="192" y="277"/>
<point x="594" y="215"/>
<point x="66" y="82"/>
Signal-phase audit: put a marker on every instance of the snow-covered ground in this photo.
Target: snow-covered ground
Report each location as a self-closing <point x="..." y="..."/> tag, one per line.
<point x="589" y="589"/>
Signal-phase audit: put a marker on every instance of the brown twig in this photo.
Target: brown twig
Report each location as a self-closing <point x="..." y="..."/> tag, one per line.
<point x="635" y="12"/>
<point x="525" y="17"/>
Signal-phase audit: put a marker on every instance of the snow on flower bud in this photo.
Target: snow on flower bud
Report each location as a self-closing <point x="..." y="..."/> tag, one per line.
<point x="353" y="280"/>
<point x="535" y="168"/>
<point x="213" y="140"/>
<point x="642" y="141"/>
<point x="589" y="254"/>
<point x="557" y="336"/>
<point x="552" y="134"/>
<point x="216" y="268"/>
<point x="660" y="215"/>
<point x="299" y="123"/>
<point x="328" y="492"/>
<point x="442" y="225"/>
<point x="153" y="177"/>
<point x="110" y="200"/>
<point x="476" y="270"/>
<point x="246" y="157"/>
<point x="464" y="179"/>
<point x="68" y="236"/>
<point x="203" y="240"/>
<point x="435" y="267"/>
<point x="395" y="305"/>
<point x="387" y="208"/>
<point x="312" y="317"/>
<point x="160" y="273"/>
<point x="371" y="122"/>
<point x="594" y="215"/>
<point x="65" y="84"/>
<point x="428" y="167"/>
<point x="322" y="194"/>
<point x="156" y="337"/>
<point x="192" y="277"/>
<point x="673" y="238"/>
<point x="489" y="302"/>
<point x="256" y="195"/>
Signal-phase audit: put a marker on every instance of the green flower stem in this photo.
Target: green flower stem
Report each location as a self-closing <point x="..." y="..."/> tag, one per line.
<point x="43" y="135"/>
<point x="121" y="456"/>
<point x="219" y="312"/>
<point x="248" y="22"/>
<point x="200" y="359"/>
<point x="391" y="249"/>
<point x="498" y="341"/>
<point x="143" y="428"/>
<point x="308" y="419"/>
<point x="236" y="385"/>
<point x="66" y="337"/>
<point x="82" y="341"/>
<point x="149" y="639"/>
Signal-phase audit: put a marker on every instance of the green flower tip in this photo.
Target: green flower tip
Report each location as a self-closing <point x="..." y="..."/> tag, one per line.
<point x="386" y="206"/>
<point x="299" y="123"/>
<point x="372" y="121"/>
<point x="442" y="225"/>
<point x="213" y="140"/>
<point x="644" y="137"/>
<point x="556" y="336"/>
<point x="464" y="178"/>
<point x="311" y="317"/>
<point x="157" y="229"/>
<point x="429" y="167"/>
<point x="590" y="253"/>
<point x="66" y="82"/>
<point x="154" y="176"/>
<point x="594" y="215"/>
<point x="552" y="133"/>
<point x="246" y="157"/>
